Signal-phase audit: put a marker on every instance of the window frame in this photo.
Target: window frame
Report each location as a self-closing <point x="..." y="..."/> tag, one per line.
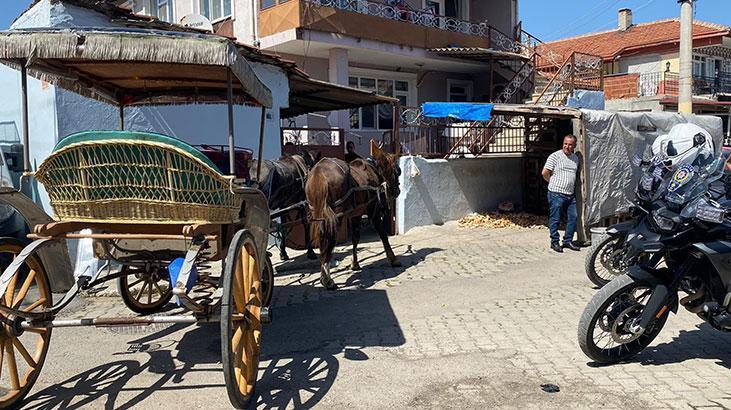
<point x="210" y="3"/>
<point x="468" y="84"/>
<point x="376" y="75"/>
<point x="171" y="9"/>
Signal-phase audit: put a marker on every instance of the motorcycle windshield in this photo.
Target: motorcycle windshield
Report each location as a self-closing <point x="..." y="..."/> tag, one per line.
<point x="690" y="181"/>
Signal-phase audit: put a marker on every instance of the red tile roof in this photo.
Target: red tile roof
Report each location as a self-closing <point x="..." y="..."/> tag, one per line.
<point x="614" y="43"/>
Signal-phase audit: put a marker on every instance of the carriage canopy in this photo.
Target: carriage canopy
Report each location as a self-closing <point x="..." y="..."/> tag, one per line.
<point x="128" y="67"/>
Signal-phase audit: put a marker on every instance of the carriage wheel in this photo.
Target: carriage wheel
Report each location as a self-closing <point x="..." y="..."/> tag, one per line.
<point x="22" y="353"/>
<point x="240" y="319"/>
<point x="144" y="292"/>
<point x="267" y="282"/>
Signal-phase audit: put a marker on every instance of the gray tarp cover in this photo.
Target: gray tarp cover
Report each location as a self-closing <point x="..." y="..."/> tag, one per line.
<point x="613" y="140"/>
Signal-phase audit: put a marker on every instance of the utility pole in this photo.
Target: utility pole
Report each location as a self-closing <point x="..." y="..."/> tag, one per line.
<point x="685" y="95"/>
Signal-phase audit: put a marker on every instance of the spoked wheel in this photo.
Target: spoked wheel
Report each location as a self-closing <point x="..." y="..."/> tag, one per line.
<point x="241" y="304"/>
<point x="608" y="329"/>
<point x="144" y="292"/>
<point x="267" y="282"/>
<point x="604" y="261"/>
<point x="22" y="353"/>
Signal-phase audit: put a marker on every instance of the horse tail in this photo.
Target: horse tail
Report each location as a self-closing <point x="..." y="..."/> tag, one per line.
<point x="323" y="216"/>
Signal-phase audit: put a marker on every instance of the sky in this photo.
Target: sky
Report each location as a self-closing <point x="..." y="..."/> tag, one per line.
<point x="548" y="19"/>
<point x="554" y="19"/>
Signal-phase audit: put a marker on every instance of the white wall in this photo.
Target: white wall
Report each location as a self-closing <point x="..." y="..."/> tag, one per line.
<point x="434" y="191"/>
<point x="42" y="119"/>
<point x="641" y="64"/>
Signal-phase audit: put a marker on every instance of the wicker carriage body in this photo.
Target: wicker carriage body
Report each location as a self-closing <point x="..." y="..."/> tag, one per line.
<point x="128" y="177"/>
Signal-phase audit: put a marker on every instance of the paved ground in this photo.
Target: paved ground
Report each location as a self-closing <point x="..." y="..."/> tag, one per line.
<point x="474" y="319"/>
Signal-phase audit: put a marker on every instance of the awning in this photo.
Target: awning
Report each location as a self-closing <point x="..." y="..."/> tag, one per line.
<point x="458" y="111"/>
<point x="308" y="95"/>
<point x="136" y="67"/>
<point x="477" y="53"/>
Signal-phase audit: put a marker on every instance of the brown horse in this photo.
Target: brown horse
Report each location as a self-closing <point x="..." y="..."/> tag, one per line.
<point x="339" y="190"/>
<point x="283" y="183"/>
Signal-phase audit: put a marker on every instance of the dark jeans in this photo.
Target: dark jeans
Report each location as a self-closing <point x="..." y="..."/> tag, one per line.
<point x="562" y="204"/>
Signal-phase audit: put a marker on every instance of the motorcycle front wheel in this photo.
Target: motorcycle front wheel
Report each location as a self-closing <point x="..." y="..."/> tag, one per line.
<point x="608" y="327"/>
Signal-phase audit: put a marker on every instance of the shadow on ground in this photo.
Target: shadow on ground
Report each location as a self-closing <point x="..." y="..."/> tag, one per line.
<point x="703" y="342"/>
<point x="300" y="357"/>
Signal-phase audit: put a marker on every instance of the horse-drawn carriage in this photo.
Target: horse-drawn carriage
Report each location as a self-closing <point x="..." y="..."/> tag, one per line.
<point x="125" y="190"/>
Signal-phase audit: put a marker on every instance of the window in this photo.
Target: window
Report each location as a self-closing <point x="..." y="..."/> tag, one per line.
<point x="377" y="117"/>
<point x="459" y="90"/>
<point x="215" y="9"/>
<point x="162" y="9"/>
<point x="265" y="4"/>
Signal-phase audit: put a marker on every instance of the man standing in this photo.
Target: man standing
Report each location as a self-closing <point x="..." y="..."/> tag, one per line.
<point x="350" y="154"/>
<point x="561" y="170"/>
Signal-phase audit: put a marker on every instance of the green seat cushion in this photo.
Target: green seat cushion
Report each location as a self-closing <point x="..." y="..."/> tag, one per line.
<point x="91" y="136"/>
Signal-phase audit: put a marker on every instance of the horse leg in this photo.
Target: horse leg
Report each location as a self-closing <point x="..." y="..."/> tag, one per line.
<point x="306" y="225"/>
<point x="283" y="244"/>
<point x="379" y="221"/>
<point x="327" y="245"/>
<point x="355" y="232"/>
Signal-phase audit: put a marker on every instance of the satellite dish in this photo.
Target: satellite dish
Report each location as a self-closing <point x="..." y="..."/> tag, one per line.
<point x="197" y="21"/>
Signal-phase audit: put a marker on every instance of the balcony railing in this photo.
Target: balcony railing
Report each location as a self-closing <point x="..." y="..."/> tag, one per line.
<point x="668" y="83"/>
<point x="426" y="18"/>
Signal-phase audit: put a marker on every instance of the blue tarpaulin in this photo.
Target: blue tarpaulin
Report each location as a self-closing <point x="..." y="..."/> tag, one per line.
<point x="457" y="111"/>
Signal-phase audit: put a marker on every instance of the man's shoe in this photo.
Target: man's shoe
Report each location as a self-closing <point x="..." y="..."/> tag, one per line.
<point x="572" y="246"/>
<point x="556" y="247"/>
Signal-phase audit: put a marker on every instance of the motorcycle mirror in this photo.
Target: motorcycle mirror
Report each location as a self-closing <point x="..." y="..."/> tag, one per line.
<point x="699" y="139"/>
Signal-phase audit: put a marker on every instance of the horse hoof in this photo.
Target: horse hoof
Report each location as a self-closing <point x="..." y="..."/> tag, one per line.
<point x="329" y="285"/>
<point x="396" y="264"/>
<point x="311" y="255"/>
<point x="284" y="257"/>
<point x="355" y="266"/>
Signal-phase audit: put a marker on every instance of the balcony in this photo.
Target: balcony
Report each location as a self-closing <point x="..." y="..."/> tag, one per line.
<point x="366" y="19"/>
<point x="667" y="83"/>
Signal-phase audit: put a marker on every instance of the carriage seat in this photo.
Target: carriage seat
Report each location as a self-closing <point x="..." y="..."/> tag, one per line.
<point x="135" y="177"/>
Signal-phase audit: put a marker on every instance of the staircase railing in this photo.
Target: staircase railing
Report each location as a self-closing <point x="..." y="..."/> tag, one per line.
<point x="579" y="70"/>
<point x="526" y="71"/>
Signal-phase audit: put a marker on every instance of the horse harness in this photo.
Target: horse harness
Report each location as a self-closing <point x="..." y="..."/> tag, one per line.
<point x="381" y="190"/>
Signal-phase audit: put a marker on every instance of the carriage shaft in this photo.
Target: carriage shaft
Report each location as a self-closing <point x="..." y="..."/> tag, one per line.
<point x="122" y="236"/>
<point x="117" y="321"/>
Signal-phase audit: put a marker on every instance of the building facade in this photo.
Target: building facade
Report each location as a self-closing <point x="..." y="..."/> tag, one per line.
<point x="395" y="48"/>
<point x="641" y="65"/>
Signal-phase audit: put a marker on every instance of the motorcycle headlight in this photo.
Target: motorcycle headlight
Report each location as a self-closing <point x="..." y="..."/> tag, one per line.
<point x="663" y="222"/>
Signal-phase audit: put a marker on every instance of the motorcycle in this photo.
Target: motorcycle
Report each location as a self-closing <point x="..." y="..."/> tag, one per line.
<point x="691" y="232"/>
<point x="607" y="258"/>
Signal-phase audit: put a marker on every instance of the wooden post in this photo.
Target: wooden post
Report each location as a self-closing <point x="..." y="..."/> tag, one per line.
<point x="26" y="134"/>
<point x="582" y="230"/>
<point x="231" y="145"/>
<point x="261" y="142"/>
